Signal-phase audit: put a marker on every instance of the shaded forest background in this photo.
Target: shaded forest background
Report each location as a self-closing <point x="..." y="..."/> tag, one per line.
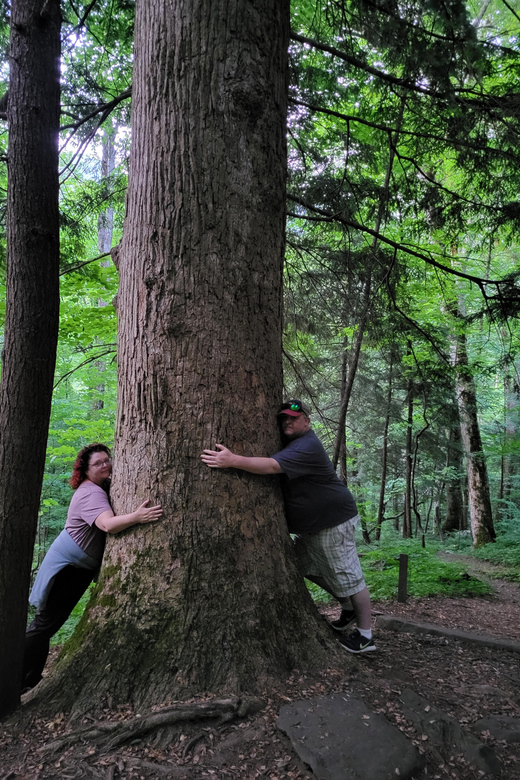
<point x="401" y="273"/>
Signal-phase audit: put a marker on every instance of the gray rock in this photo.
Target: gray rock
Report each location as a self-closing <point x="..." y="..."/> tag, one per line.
<point x="504" y="727"/>
<point x="340" y="738"/>
<point x="446" y="735"/>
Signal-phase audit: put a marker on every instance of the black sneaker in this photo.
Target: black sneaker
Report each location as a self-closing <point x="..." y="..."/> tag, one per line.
<point x="355" y="643"/>
<point x="347" y="617"/>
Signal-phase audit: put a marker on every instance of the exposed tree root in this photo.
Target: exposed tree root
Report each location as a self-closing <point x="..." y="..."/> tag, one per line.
<point x="111" y="735"/>
<point x="160" y="770"/>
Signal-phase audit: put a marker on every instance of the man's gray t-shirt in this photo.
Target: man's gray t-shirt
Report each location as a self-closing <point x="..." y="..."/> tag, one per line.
<point x="315" y="498"/>
<point x="88" y="502"/>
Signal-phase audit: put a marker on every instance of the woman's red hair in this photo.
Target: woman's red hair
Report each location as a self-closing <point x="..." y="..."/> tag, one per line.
<point x="80" y="468"/>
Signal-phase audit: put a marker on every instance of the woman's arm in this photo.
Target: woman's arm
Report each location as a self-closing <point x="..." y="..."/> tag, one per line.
<point x="113" y="524"/>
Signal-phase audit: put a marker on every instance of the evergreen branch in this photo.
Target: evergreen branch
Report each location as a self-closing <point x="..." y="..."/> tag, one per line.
<point x="86" y="363"/>
<point x="82" y="21"/>
<point x="307" y="217"/>
<point x="411" y="133"/>
<point x="512" y="10"/>
<point x="427" y="337"/>
<point x="104" y="108"/>
<point x="72" y="268"/>
<point x="451" y="193"/>
<point x="309" y="393"/>
<point x="86" y="12"/>
<point x="494" y="101"/>
<point x="329" y="216"/>
<point x="358" y="63"/>
<point x="386" y="10"/>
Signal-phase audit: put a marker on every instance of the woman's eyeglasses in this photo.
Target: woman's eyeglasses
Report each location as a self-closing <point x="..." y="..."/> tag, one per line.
<point x="100" y="463"/>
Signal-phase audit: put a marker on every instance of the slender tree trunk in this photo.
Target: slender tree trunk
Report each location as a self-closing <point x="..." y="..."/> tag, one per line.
<point x="342" y="455"/>
<point x="509" y="458"/>
<point x="415" y="503"/>
<point x="31" y="326"/>
<point x="105" y="237"/>
<point x="384" y="456"/>
<point x="208" y="599"/>
<point x="407" y="518"/>
<point x="106" y="216"/>
<point x="455" y="515"/>
<point x="348" y="385"/>
<point x="482" y="528"/>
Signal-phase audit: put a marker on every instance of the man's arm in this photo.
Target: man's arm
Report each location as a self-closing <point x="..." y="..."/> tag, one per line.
<point x="222" y="458"/>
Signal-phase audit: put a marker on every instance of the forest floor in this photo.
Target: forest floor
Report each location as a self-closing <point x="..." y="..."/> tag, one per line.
<point x="467" y="681"/>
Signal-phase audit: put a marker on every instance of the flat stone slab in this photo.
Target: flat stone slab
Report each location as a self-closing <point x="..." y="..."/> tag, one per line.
<point x="340" y="738"/>
<point x="412" y="627"/>
<point x="446" y="735"/>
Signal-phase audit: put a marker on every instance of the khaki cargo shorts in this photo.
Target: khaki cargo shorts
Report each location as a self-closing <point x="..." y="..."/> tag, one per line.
<point x="331" y="554"/>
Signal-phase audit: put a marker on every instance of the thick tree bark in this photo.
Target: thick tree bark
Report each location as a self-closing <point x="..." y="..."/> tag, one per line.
<point x="479" y="499"/>
<point x="31" y="327"/>
<point x="208" y="599"/>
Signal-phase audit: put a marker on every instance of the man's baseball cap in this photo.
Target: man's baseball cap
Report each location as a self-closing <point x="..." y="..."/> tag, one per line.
<point x="294" y="408"/>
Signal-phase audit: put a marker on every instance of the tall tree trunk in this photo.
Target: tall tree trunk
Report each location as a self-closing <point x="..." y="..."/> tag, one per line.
<point x="105" y="237"/>
<point x="455" y="519"/>
<point x="342" y="455"/>
<point x="348" y="385"/>
<point x="407" y="517"/>
<point x="384" y="455"/>
<point x="106" y="216"/>
<point x="415" y="503"/>
<point x="31" y="326"/>
<point x="509" y="458"/>
<point x="208" y="599"/>
<point x="479" y="499"/>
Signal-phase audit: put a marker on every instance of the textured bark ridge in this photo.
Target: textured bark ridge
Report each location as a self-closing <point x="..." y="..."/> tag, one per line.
<point x="209" y="598"/>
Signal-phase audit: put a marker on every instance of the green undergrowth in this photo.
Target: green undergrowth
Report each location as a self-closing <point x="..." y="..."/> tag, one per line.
<point x="67" y="628"/>
<point x="428" y="575"/>
<point x="505" y="552"/>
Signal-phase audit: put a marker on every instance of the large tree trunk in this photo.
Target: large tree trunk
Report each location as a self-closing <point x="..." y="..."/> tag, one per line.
<point x="208" y="599"/>
<point x="31" y="327"/>
<point x="479" y="499"/>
